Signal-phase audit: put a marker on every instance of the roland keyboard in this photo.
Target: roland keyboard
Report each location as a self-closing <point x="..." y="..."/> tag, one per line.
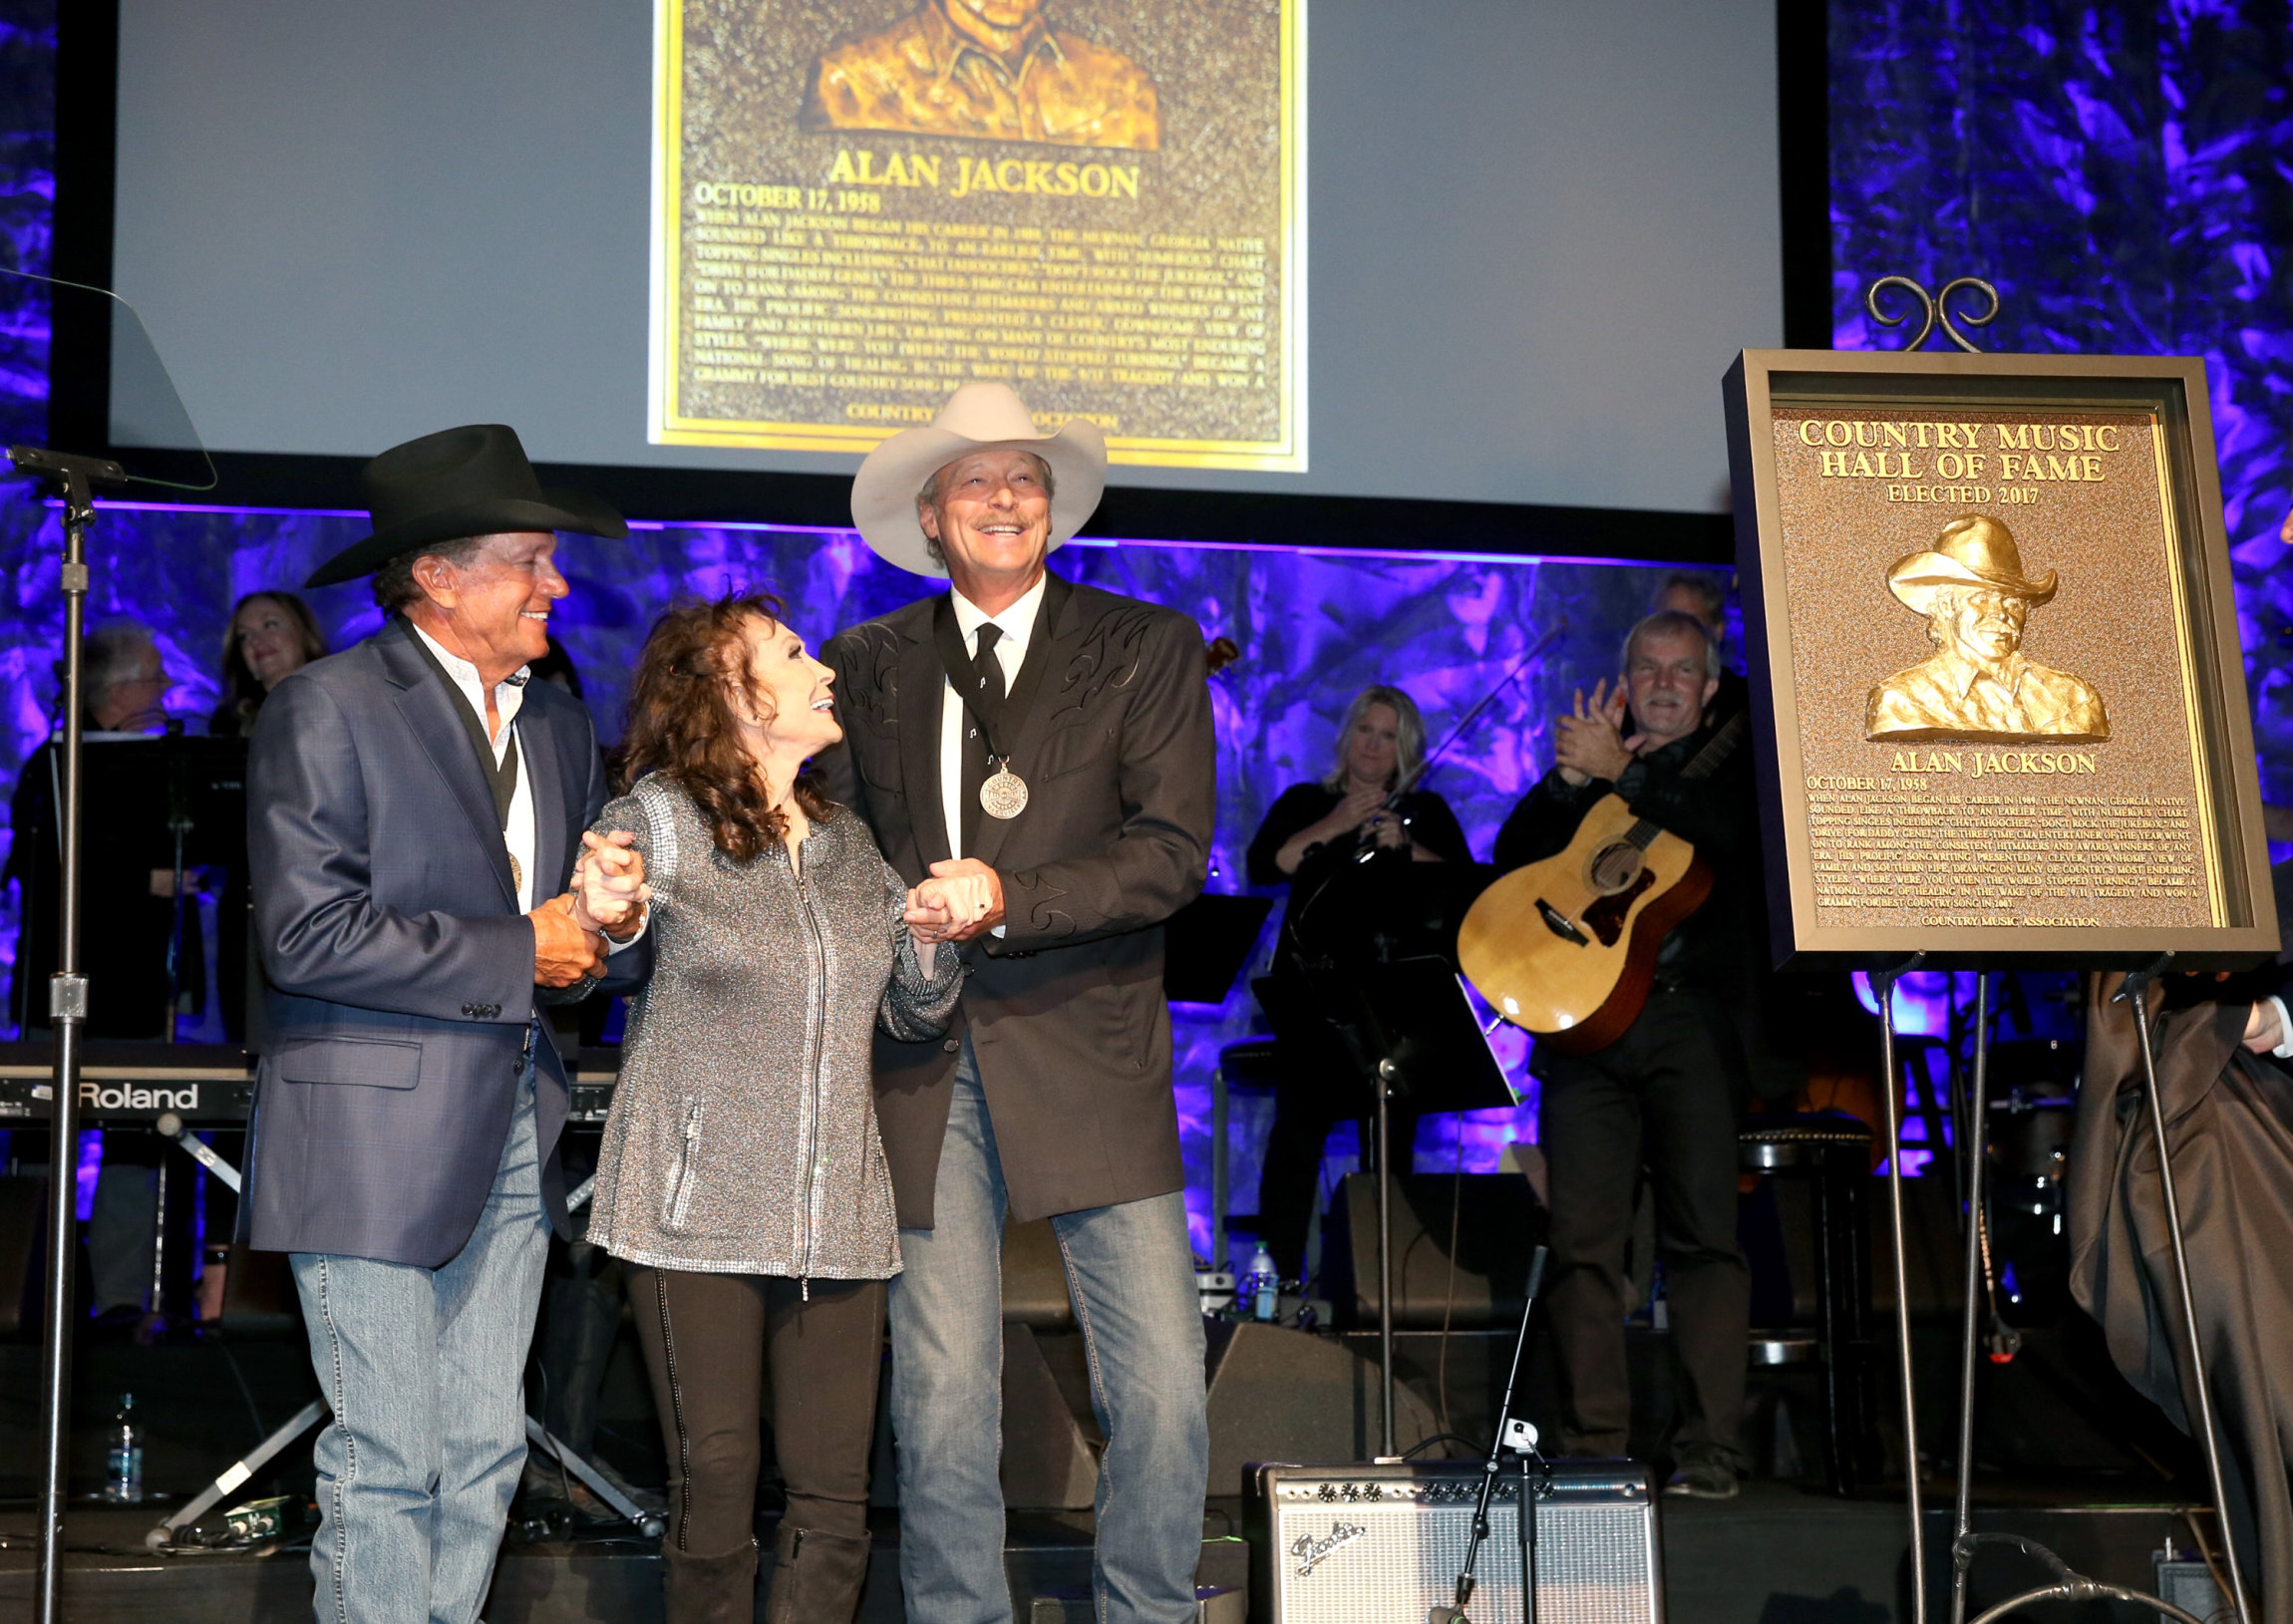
<point x="128" y="1085"/>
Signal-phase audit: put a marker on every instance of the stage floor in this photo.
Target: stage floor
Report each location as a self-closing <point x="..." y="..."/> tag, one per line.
<point x="1775" y="1555"/>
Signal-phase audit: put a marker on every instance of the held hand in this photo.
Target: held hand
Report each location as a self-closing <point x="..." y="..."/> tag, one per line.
<point x="962" y="900"/>
<point x="2263" y="1031"/>
<point x="609" y="890"/>
<point x="564" y="952"/>
<point x="946" y="909"/>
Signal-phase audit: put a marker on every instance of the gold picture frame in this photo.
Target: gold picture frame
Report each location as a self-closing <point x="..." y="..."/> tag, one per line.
<point x="1999" y="699"/>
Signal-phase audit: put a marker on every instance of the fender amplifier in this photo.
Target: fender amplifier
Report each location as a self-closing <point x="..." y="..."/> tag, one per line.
<point x="1382" y="1544"/>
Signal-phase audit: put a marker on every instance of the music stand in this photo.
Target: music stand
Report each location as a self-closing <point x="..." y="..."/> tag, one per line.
<point x="1205" y="946"/>
<point x="1415" y="1031"/>
<point x="172" y="803"/>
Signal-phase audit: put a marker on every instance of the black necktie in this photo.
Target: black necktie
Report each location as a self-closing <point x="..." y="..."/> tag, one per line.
<point x="987" y="695"/>
<point x="501" y="773"/>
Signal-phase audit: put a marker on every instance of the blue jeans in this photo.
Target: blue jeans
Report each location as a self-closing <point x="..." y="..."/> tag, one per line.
<point x="425" y="1370"/>
<point x="1130" y="1273"/>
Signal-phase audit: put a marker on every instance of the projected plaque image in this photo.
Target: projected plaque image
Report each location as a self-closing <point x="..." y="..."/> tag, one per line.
<point x="923" y="76"/>
<point x="2007" y="706"/>
<point x="858" y="206"/>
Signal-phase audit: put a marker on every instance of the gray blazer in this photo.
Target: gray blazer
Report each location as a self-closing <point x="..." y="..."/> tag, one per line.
<point x="742" y="1136"/>
<point x="400" y="969"/>
<point x="1065" y="1010"/>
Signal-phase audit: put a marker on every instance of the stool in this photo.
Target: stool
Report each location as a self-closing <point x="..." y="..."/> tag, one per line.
<point x="1250" y="1066"/>
<point x="1832" y="1151"/>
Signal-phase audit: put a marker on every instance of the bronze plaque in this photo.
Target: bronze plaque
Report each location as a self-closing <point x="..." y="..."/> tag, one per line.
<point x="1988" y="600"/>
<point x="859" y="205"/>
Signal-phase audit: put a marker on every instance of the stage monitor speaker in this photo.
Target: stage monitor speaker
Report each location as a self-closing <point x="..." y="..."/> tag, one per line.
<point x="1274" y="1394"/>
<point x="1283" y="1395"/>
<point x="1498" y="1226"/>
<point x="1050" y="1441"/>
<point x="1035" y="1278"/>
<point x="1382" y="1544"/>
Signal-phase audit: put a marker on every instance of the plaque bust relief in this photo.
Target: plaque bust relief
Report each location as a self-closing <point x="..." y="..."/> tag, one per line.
<point x="991" y="69"/>
<point x="1978" y="684"/>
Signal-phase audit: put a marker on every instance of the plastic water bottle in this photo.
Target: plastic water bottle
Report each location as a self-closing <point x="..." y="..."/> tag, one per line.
<point x="123" y="1463"/>
<point x="1265" y="1285"/>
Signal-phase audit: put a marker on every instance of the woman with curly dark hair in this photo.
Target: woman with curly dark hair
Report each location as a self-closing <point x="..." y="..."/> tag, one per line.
<point x="741" y="1177"/>
<point x="269" y="635"/>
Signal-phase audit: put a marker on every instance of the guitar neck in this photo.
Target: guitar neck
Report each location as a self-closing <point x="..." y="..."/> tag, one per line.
<point x="1708" y="759"/>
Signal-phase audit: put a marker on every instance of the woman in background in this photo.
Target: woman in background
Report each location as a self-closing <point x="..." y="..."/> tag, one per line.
<point x="1367" y="807"/>
<point x="270" y="635"/>
<point x="741" y="1180"/>
<point x="1368" y="797"/>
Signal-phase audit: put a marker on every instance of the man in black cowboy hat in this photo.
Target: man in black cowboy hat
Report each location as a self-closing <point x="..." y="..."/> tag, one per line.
<point x="417" y="814"/>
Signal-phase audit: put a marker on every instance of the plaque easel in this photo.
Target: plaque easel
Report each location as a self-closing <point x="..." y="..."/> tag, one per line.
<point x="1815" y="536"/>
<point x="2067" y="1584"/>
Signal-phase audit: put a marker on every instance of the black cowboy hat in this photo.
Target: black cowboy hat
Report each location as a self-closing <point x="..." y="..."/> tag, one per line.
<point x="473" y="480"/>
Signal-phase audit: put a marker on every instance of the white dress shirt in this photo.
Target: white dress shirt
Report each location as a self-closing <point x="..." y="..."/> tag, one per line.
<point x="1018" y="625"/>
<point x="519" y="834"/>
<point x="508" y="699"/>
<point x="2284" y="1049"/>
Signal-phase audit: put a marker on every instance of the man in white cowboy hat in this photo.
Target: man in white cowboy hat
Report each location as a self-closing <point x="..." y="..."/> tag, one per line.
<point x="1978" y="684"/>
<point x="1057" y="739"/>
<point x="417" y="819"/>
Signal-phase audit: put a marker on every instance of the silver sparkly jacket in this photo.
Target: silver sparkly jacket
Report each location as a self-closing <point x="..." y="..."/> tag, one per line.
<point x="742" y="1136"/>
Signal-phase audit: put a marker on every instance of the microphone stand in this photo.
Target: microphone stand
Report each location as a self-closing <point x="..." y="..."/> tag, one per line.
<point x="180" y="825"/>
<point x="1517" y="1438"/>
<point x="76" y="480"/>
<point x="1382" y="1070"/>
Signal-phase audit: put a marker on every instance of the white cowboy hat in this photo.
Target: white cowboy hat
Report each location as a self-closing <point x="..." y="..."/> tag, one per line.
<point x="977" y="417"/>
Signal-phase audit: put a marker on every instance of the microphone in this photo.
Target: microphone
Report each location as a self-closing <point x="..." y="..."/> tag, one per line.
<point x="1455" y="1612"/>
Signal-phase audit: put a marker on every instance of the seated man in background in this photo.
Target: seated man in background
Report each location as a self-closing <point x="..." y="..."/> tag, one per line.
<point x="126" y="917"/>
<point x="1666" y="1094"/>
<point x="122" y="686"/>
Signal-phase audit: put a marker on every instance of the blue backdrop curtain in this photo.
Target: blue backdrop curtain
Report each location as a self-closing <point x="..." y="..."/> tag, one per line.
<point x="2124" y="174"/>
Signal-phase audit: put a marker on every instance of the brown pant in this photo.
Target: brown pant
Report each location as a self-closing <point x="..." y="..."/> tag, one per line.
<point x="710" y="1340"/>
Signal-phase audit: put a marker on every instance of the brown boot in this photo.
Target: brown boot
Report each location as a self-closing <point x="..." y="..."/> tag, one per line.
<point x="817" y="1576"/>
<point x="711" y="1589"/>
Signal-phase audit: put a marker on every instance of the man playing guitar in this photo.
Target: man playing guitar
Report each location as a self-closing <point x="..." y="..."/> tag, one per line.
<point x="1667" y="1092"/>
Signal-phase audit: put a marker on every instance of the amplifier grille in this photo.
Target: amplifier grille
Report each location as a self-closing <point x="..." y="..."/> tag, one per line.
<point x="1594" y="1563"/>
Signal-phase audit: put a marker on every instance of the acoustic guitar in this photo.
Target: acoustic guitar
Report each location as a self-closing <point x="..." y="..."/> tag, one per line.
<point x="1566" y="947"/>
